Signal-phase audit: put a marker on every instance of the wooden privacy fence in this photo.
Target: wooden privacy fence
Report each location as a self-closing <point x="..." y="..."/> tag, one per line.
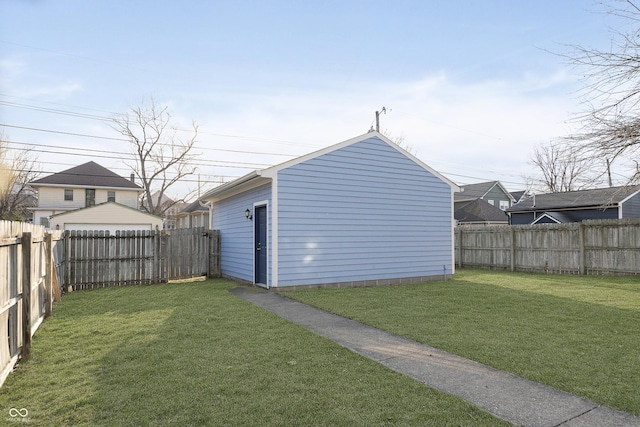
<point x="27" y="287"/>
<point x="589" y="247"/>
<point x="97" y="258"/>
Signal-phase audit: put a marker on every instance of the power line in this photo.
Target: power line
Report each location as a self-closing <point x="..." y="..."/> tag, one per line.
<point x="201" y="174"/>
<point x="217" y="177"/>
<point x="63" y="133"/>
<point x="482" y="179"/>
<point x="246" y="138"/>
<point x="111" y="119"/>
<point x="128" y="141"/>
<point x="131" y="157"/>
<point x="54" y="111"/>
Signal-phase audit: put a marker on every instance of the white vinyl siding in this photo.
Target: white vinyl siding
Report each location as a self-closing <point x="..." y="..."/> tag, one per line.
<point x="363" y="212"/>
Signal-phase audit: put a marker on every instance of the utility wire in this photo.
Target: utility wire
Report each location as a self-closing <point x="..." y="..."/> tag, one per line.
<point x="128" y="141"/>
<point x="215" y="178"/>
<point x="130" y="157"/>
<point x="246" y="138"/>
<point x="111" y="119"/>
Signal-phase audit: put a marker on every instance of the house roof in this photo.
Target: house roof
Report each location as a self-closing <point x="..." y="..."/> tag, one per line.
<point x="194" y="207"/>
<point x="89" y="174"/>
<point x="100" y="205"/>
<point x="554" y="217"/>
<point x="259" y="177"/>
<point x="517" y="195"/>
<point x="477" y="191"/>
<point x="595" y="198"/>
<point x="480" y="211"/>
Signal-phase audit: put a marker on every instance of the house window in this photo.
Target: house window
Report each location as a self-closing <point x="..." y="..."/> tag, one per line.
<point x="111" y="196"/>
<point x="68" y="195"/>
<point x="504" y="205"/>
<point x="491" y="202"/>
<point x="90" y="197"/>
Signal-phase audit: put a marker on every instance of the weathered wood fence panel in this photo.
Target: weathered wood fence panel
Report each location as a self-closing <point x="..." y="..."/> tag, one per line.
<point x="589" y="247"/>
<point x="26" y="288"/>
<point x="94" y="259"/>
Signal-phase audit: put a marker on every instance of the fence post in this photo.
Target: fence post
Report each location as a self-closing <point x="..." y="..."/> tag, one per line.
<point x="217" y="256"/>
<point x="582" y="257"/>
<point x="459" y="232"/>
<point x="26" y="295"/>
<point x="48" y="279"/>
<point x="513" y="247"/>
<point x="66" y="237"/>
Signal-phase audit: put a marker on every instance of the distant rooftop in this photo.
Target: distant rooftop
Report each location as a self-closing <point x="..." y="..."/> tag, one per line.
<point x="480" y="211"/>
<point x="89" y="174"/>
<point x="598" y="197"/>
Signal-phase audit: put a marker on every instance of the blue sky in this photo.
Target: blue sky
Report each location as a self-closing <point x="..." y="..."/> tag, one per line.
<point x="472" y="86"/>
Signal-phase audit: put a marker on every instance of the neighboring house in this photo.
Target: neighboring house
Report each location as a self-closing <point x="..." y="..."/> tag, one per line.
<point x="492" y="192"/>
<point x="361" y="212"/>
<point x="170" y="207"/>
<point x="576" y="206"/>
<point x="519" y="196"/>
<point x="108" y="216"/>
<point x="194" y="215"/>
<point x="480" y="212"/>
<point x="79" y="187"/>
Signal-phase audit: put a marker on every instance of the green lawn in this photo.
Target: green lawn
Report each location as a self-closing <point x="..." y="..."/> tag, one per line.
<point x="576" y="333"/>
<point x="194" y="355"/>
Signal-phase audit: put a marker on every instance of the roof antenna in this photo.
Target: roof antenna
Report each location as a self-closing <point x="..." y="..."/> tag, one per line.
<point x="384" y="110"/>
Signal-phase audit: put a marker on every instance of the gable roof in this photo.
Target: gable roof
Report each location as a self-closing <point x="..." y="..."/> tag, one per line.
<point x="105" y="204"/>
<point x="259" y="177"/>
<point x="480" y="211"/>
<point x="478" y="191"/>
<point x="518" y="195"/>
<point x="595" y="198"/>
<point x="194" y="207"/>
<point x="89" y="174"/>
<point x="554" y="217"/>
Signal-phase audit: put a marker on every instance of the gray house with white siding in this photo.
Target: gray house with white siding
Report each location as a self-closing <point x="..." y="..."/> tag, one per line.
<point x="361" y="212"/>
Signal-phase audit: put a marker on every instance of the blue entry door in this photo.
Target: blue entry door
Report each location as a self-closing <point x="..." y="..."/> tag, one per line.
<point x="260" y="239"/>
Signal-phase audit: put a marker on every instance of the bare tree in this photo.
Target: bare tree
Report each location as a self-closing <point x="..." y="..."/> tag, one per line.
<point x="560" y="169"/>
<point x="399" y="141"/>
<point x="611" y="119"/>
<point x="17" y="170"/>
<point x="162" y="158"/>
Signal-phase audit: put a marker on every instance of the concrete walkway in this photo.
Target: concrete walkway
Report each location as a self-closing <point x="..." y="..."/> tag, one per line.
<point x="506" y="396"/>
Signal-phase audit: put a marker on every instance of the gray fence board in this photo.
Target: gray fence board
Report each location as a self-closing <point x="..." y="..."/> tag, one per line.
<point x="589" y="247"/>
<point x="98" y="259"/>
<point x="25" y="288"/>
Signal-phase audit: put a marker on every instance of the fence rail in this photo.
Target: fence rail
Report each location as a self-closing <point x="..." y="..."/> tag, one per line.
<point x="589" y="247"/>
<point x="100" y="259"/>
